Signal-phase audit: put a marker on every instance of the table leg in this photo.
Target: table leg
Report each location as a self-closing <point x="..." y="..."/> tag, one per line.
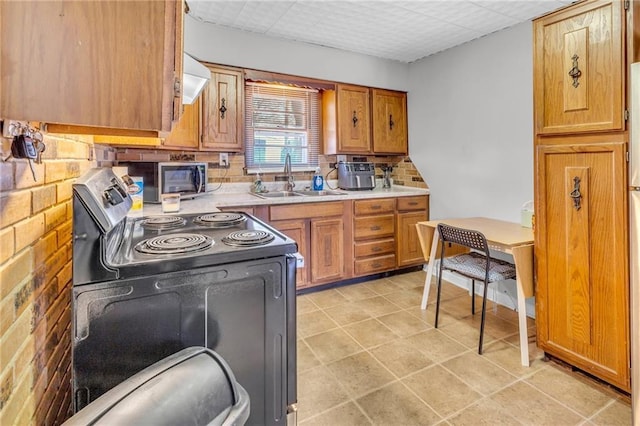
<point x="432" y="261"/>
<point x="523" y="259"/>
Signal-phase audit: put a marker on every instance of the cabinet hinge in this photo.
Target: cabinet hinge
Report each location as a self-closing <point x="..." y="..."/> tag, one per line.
<point x="628" y="157"/>
<point x="626" y="115"/>
<point x="177" y="88"/>
<point x="626" y="4"/>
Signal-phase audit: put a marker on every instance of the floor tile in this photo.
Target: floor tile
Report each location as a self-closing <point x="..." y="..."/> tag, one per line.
<point x="401" y="358"/>
<point x="356" y="292"/>
<point x="441" y="390"/>
<point x="332" y="345"/>
<point x="568" y="389"/>
<point x="370" y="333"/>
<point x="396" y="405"/>
<point x="464" y="332"/>
<point x="377" y="306"/>
<point x="313" y="323"/>
<point x="617" y="413"/>
<point x="360" y="373"/>
<point x="482" y="375"/>
<point x="436" y="345"/>
<point x="344" y="415"/>
<point x="404" y="298"/>
<point x="530" y="406"/>
<point x="327" y="298"/>
<point x="318" y="390"/>
<point x="383" y="286"/>
<point x="305" y="359"/>
<point x="347" y="313"/>
<point x="403" y="323"/>
<point x="508" y="357"/>
<point x="305" y="305"/>
<point x="484" y="412"/>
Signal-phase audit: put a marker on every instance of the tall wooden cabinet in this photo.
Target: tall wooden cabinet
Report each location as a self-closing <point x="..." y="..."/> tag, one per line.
<point x="222" y="111"/>
<point x="581" y="243"/>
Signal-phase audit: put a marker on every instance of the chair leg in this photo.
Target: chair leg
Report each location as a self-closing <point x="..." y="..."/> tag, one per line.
<point x="484" y="306"/>
<point x="473" y="297"/>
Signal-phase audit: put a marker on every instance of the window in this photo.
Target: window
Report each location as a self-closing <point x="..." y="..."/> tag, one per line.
<point x="281" y="120"/>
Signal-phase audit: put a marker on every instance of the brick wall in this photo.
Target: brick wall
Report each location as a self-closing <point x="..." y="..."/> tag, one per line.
<point x="35" y="279"/>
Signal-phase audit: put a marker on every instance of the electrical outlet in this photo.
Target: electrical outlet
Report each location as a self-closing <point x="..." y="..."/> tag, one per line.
<point x="341" y="158"/>
<point x="224" y="160"/>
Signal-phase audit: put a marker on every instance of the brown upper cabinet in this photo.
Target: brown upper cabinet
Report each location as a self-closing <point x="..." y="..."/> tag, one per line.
<point x="89" y="67"/>
<point x="579" y="69"/>
<point x="222" y="111"/>
<point x="389" y="122"/>
<point x="360" y="120"/>
<point x="346" y="116"/>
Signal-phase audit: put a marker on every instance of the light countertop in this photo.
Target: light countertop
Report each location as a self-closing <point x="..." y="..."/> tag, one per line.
<point x="238" y="195"/>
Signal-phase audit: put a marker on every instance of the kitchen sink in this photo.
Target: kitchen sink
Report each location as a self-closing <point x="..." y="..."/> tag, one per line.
<point x="277" y="194"/>
<point x="320" y="193"/>
<point x="281" y="194"/>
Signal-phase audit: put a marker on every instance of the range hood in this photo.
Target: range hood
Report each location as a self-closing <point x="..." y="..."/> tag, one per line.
<point x="195" y="77"/>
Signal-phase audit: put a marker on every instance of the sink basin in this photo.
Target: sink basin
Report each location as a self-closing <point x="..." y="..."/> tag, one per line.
<point x="320" y="193"/>
<point x="277" y="194"/>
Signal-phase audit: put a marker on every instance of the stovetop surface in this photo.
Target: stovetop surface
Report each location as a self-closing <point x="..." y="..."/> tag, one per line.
<point x="211" y="248"/>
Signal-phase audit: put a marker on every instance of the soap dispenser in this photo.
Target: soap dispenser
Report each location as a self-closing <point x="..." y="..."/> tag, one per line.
<point x="318" y="181"/>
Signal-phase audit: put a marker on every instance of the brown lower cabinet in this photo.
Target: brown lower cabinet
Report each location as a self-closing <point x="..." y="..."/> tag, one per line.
<point x="347" y="239"/>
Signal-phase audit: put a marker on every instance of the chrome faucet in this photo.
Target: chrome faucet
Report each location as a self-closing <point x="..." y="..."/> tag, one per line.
<point x="287" y="171"/>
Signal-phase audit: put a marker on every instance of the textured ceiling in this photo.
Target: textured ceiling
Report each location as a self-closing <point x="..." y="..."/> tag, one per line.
<point x="404" y="31"/>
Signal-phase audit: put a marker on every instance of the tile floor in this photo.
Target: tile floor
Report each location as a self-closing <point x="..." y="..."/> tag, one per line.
<point x="367" y="354"/>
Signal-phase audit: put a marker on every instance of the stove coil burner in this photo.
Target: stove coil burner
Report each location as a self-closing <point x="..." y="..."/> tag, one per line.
<point x="163" y="222"/>
<point x="248" y="238"/>
<point x="220" y="220"/>
<point x="174" y="244"/>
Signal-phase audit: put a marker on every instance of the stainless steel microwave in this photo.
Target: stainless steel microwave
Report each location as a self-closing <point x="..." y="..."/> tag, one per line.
<point x="184" y="178"/>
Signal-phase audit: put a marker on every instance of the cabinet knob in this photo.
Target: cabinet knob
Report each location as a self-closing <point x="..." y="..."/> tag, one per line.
<point x="354" y="119"/>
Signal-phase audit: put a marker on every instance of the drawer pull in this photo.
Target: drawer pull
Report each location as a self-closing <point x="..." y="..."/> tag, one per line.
<point x="376" y="265"/>
<point x="376" y="207"/>
<point x="375" y="228"/>
<point x="376" y="249"/>
<point x="413" y="203"/>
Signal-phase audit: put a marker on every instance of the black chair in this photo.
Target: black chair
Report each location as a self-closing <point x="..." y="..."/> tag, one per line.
<point x="476" y="265"/>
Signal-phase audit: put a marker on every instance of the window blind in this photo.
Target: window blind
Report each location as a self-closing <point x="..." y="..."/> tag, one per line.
<point x="281" y="119"/>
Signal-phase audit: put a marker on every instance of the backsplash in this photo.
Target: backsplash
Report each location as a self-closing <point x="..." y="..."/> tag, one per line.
<point x="404" y="172"/>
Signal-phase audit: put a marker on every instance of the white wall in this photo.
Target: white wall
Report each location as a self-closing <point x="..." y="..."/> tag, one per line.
<point x="225" y="46"/>
<point x="471" y="125"/>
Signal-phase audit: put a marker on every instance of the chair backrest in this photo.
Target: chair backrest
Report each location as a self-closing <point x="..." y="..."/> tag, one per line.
<point x="464" y="237"/>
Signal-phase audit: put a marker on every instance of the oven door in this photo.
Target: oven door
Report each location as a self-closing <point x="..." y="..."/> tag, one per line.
<point x="186" y="179"/>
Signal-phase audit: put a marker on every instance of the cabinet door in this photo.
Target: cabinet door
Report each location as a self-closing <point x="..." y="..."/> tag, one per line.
<point x="578" y="73"/>
<point x="327" y="249"/>
<point x="296" y="230"/>
<point x="582" y="294"/>
<point x="354" y="132"/>
<point x="222" y="111"/>
<point x="409" y="249"/>
<point x="186" y="134"/>
<point x="108" y="64"/>
<point x="389" y="122"/>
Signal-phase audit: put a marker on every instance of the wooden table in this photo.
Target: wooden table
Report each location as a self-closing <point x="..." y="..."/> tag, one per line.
<point x="506" y="237"/>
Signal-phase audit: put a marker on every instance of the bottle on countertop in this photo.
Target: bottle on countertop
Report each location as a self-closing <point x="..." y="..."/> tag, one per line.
<point x="318" y="181"/>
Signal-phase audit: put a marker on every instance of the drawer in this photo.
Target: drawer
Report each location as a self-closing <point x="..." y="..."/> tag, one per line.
<point x="374" y="206"/>
<point x="374" y="226"/>
<point x="373" y="265"/>
<point x="375" y="248"/>
<point x="306" y="210"/>
<point x="412" y="203"/>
